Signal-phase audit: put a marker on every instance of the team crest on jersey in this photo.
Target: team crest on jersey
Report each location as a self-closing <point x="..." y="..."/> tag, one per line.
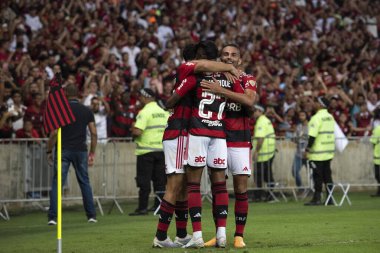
<point x="252" y="83"/>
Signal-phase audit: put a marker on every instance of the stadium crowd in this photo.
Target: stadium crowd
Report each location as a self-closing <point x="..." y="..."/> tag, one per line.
<point x="111" y="49"/>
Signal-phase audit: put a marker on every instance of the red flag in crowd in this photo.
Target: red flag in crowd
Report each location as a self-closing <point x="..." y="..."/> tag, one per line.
<point x="58" y="111"/>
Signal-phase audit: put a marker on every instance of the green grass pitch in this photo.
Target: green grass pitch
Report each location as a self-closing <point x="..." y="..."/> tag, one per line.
<point x="279" y="227"/>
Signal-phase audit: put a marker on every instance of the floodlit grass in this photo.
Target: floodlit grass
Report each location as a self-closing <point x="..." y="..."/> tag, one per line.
<point x="280" y="227"/>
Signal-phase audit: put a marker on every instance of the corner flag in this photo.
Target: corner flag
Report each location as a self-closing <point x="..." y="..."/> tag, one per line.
<point x="58" y="114"/>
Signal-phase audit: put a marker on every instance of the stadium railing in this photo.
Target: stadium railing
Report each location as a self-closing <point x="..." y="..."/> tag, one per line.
<point x="25" y="176"/>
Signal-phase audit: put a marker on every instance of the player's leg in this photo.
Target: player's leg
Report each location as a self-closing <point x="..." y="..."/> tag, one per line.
<point x="173" y="151"/>
<point x="217" y="162"/>
<point x="181" y="206"/>
<point x="197" y="155"/>
<point x="240" y="168"/>
<point x="182" y="214"/>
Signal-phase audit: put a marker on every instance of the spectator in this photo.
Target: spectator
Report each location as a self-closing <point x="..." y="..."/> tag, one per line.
<point x="17" y="110"/>
<point x="35" y="112"/>
<point x="100" y="109"/>
<point x="132" y="50"/>
<point x="295" y="50"/>
<point x="27" y="131"/>
<point x="123" y="113"/>
<point x="33" y="20"/>
<point x="6" y="129"/>
<point x="74" y="151"/>
<point x="301" y="136"/>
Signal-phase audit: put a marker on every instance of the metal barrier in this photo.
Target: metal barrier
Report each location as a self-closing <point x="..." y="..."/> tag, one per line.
<point x="26" y="178"/>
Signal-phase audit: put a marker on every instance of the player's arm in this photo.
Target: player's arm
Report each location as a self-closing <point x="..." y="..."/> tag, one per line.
<point x="173" y="100"/>
<point x="247" y="98"/>
<point x="214" y="66"/>
<point x="186" y="85"/>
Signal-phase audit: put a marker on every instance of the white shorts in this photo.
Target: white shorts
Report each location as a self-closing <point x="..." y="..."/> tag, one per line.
<point x="174" y="151"/>
<point x="208" y="151"/>
<point x="239" y="161"/>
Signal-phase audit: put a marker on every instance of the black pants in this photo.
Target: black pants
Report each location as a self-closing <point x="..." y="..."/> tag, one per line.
<point x="377" y="176"/>
<point x="150" y="167"/>
<point x="263" y="172"/>
<point x="321" y="175"/>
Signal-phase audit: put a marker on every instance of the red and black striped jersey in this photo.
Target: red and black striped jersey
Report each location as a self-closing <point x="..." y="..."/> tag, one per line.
<point x="237" y="117"/>
<point x="207" y="116"/>
<point x="179" y="120"/>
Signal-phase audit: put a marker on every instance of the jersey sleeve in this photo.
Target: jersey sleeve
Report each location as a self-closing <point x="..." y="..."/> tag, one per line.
<point x="249" y="82"/>
<point x="186" y="85"/>
<point x="313" y="127"/>
<point x="141" y="120"/>
<point x="185" y="70"/>
<point x="259" y="131"/>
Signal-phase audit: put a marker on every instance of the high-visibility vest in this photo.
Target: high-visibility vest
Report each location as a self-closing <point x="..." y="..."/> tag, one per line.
<point x="152" y="120"/>
<point x="321" y="127"/>
<point x="375" y="140"/>
<point x="264" y="129"/>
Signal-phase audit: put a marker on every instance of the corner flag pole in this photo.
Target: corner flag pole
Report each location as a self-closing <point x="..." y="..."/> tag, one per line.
<point x="59" y="191"/>
<point x="58" y="114"/>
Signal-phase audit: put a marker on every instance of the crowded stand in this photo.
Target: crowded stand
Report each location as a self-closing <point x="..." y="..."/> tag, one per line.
<point x="297" y="50"/>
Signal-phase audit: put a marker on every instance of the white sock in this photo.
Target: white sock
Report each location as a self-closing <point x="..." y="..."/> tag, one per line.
<point x="197" y="234"/>
<point x="221" y="232"/>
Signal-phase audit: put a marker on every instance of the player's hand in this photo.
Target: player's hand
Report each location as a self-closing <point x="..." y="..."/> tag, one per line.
<point x="213" y="87"/>
<point x="231" y="78"/>
<point x="235" y="72"/>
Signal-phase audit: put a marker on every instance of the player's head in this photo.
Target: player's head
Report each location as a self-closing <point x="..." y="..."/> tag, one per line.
<point x="231" y="54"/>
<point x="206" y="50"/>
<point x="188" y="53"/>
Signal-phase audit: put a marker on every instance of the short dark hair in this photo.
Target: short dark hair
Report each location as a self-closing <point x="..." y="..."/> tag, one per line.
<point x="71" y="90"/>
<point x="231" y="45"/>
<point x="188" y="53"/>
<point x="206" y="49"/>
<point x="14" y="92"/>
<point x="94" y="98"/>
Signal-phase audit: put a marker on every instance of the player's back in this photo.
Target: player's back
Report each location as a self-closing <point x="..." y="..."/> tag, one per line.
<point x="178" y="121"/>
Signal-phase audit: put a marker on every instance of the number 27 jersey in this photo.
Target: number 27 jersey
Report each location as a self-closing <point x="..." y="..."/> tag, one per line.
<point x="207" y="114"/>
